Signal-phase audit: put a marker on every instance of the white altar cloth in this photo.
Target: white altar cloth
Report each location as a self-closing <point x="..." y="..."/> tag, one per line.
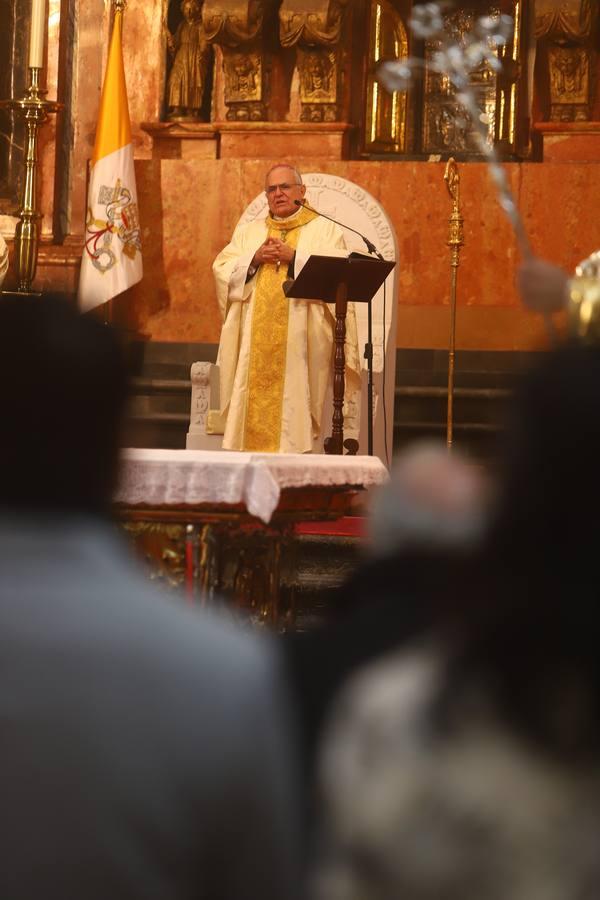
<point x="173" y="477"/>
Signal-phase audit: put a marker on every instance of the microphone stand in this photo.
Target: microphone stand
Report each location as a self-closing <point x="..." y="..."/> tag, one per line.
<point x="368" y="354"/>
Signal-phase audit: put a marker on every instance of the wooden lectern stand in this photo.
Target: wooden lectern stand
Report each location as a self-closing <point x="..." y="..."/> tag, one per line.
<point x="340" y="279"/>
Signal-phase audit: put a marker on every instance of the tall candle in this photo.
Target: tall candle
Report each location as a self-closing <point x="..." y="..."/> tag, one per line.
<point x="37" y="33"/>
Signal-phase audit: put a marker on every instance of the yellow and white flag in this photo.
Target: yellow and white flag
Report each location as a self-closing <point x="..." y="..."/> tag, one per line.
<point x="112" y="253"/>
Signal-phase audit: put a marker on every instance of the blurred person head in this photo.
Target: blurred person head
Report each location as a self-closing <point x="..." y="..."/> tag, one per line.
<point x="532" y="622"/>
<point x="550" y="479"/>
<point x="452" y="768"/>
<point x="543" y="287"/>
<point x="62" y="389"/>
<point x="435" y="500"/>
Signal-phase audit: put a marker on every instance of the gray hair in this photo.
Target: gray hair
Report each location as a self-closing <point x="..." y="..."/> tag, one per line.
<point x="284" y="165"/>
<point x="433" y="501"/>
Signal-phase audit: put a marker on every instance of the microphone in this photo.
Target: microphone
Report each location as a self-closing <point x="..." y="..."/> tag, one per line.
<point x="370" y="245"/>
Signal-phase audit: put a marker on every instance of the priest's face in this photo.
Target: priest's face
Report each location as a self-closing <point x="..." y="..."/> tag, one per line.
<point x="283" y="190"/>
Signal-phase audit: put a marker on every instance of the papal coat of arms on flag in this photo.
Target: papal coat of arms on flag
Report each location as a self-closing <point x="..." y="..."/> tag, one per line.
<point x="112" y="257"/>
<point x="119" y="222"/>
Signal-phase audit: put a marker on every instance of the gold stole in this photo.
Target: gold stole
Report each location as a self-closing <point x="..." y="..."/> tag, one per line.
<point x="268" y="344"/>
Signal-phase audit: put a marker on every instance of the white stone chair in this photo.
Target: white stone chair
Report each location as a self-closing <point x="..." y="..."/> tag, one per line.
<point x="348" y="202"/>
<point x="205" y="432"/>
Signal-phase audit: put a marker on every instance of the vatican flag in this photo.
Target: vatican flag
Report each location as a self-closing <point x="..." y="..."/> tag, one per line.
<point x="112" y="253"/>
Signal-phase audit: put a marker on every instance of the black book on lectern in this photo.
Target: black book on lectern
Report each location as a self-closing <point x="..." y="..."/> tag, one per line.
<point x="322" y="275"/>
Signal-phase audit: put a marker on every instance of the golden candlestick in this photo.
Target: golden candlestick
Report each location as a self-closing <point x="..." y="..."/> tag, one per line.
<point x="583" y="304"/>
<point x="34" y="109"/>
<point x="455" y="242"/>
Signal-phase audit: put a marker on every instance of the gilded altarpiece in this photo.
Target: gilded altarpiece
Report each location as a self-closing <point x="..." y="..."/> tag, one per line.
<point x="446" y="127"/>
<point x="386" y="120"/>
<point x="427" y="119"/>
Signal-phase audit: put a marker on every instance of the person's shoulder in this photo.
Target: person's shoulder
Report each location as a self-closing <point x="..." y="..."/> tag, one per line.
<point x="397" y="686"/>
<point x="203" y="657"/>
<point x="465" y="795"/>
<point x="321" y="231"/>
<point x="244" y="234"/>
<point x="323" y="224"/>
<point x="194" y="638"/>
<point x="153" y="624"/>
<point x="379" y="716"/>
<point x="248" y="226"/>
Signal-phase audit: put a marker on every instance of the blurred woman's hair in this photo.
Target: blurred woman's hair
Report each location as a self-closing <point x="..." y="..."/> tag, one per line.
<point x="62" y="392"/>
<point x="529" y="618"/>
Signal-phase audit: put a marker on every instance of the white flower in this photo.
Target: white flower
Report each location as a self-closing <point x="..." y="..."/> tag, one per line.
<point x="395" y="76"/>
<point x="476" y="53"/>
<point x="455" y="57"/>
<point x="426" y="20"/>
<point x="494" y="30"/>
<point x="439" y="62"/>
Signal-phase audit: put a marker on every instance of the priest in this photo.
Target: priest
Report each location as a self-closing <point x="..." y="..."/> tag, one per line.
<point x="3" y="259"/>
<point x="275" y="355"/>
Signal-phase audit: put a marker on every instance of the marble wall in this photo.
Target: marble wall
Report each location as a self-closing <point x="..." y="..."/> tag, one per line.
<point x="190" y="202"/>
<point x="189" y="209"/>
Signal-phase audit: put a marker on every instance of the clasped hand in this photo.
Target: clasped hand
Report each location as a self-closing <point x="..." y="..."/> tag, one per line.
<point x="273" y="251"/>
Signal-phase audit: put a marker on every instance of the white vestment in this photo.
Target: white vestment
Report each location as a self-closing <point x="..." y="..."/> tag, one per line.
<point x="309" y="352"/>
<point x="3" y="259"/>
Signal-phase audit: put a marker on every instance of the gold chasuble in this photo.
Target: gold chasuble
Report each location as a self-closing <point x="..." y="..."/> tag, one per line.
<point x="276" y="355"/>
<point x="268" y="344"/>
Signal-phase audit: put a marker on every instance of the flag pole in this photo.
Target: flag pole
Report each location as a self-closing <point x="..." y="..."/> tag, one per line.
<point x="117" y="6"/>
<point x="112" y="252"/>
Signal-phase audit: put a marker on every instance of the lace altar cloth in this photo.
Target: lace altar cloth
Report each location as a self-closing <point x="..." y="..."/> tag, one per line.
<point x="174" y="477"/>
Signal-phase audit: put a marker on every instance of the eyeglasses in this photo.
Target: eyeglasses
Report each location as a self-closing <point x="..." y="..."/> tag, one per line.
<point x="285" y="187"/>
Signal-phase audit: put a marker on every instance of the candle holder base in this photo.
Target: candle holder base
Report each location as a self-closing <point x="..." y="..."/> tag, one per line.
<point x="21" y="293"/>
<point x="34" y="110"/>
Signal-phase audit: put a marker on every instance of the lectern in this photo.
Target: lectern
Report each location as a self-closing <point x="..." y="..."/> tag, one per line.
<point x="339" y="280"/>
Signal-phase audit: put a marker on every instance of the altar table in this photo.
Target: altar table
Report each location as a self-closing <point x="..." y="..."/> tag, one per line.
<point x="194" y="509"/>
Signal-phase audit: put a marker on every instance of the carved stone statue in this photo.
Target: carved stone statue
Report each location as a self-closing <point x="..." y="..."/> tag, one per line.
<point x="569" y="72"/>
<point x="243" y="77"/>
<point x="316" y="77"/>
<point x="192" y="57"/>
